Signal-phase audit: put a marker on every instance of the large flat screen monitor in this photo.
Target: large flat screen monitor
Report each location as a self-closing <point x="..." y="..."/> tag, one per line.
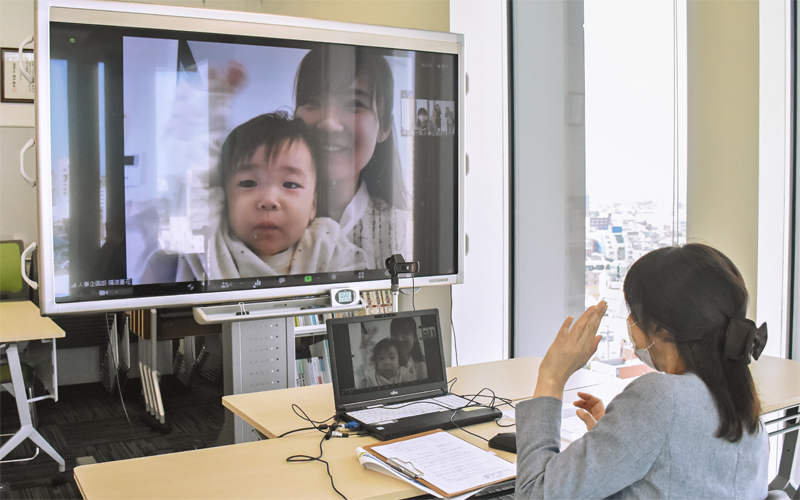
<point x="193" y="156"/>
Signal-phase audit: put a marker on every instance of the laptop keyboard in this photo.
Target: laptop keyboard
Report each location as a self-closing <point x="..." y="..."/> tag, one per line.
<point x="424" y="406"/>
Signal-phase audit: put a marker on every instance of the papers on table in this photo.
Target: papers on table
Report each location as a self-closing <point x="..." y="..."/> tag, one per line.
<point x="445" y="463"/>
<point x="370" y="461"/>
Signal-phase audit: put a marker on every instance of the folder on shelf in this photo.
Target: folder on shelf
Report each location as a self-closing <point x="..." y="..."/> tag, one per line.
<point x="431" y="457"/>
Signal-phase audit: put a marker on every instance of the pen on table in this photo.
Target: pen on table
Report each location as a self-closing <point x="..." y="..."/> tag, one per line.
<point x="405" y="470"/>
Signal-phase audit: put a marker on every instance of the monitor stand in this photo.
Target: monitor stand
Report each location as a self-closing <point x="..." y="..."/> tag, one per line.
<point x="258" y="348"/>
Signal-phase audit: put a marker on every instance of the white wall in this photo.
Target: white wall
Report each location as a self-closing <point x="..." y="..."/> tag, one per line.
<point x="481" y="303"/>
<point x="16" y="24"/>
<point x="17" y="199"/>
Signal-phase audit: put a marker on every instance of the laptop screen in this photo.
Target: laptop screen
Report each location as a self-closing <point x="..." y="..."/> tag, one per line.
<point x="387" y="356"/>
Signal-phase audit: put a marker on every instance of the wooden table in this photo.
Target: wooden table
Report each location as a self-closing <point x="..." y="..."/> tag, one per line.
<point x="260" y="470"/>
<point x="254" y="470"/>
<point x="21" y="322"/>
<point x="271" y="412"/>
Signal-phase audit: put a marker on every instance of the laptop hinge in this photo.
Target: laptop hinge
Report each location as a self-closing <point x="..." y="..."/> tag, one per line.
<point x="391" y="400"/>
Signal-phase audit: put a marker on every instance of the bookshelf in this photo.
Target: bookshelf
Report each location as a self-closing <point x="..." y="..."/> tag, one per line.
<point x="312" y="363"/>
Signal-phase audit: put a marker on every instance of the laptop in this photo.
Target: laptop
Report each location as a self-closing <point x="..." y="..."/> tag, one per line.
<point x="388" y="368"/>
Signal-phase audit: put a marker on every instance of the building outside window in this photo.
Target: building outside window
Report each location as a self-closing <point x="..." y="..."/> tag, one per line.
<point x="635" y="179"/>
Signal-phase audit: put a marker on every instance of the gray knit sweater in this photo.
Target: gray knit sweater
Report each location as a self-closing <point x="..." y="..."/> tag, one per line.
<point x="655" y="441"/>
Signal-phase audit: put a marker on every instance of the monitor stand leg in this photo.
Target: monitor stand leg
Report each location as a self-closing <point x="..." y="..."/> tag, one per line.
<point x="258" y="355"/>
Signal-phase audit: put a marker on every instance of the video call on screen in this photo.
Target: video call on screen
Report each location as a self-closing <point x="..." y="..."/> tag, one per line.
<point x="138" y="121"/>
<point x="376" y="355"/>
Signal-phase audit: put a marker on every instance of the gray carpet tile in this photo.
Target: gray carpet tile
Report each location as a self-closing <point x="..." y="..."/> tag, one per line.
<point x="87" y="420"/>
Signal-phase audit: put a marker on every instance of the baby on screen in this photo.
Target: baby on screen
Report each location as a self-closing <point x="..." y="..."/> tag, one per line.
<point x="267" y="225"/>
<point x="387" y="365"/>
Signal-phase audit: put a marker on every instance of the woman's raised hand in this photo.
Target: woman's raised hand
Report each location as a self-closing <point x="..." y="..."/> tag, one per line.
<point x="573" y="346"/>
<point x="590" y="410"/>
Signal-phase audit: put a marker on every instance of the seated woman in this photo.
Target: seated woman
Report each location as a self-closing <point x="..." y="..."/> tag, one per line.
<point x="693" y="431"/>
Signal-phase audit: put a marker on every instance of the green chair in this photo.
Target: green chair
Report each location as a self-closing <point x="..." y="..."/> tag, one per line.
<point x="12" y="286"/>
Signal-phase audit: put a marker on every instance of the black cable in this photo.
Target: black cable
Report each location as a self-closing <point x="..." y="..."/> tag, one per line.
<point x="472" y="400"/>
<point x="502" y="401"/>
<point x="301" y="429"/>
<point x="317" y="425"/>
<point x="308" y="419"/>
<point x="307" y="458"/>
<point x="505" y="401"/>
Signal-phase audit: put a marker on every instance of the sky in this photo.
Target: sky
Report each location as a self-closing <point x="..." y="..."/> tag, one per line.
<point x="629" y="58"/>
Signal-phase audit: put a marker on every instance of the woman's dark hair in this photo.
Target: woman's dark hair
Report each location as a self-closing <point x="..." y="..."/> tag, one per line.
<point x="407" y="324"/>
<point x="326" y="70"/>
<point x="271" y="130"/>
<point x="688" y="295"/>
<point x="382" y="346"/>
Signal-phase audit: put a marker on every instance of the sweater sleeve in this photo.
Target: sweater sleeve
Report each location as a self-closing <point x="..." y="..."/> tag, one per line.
<point x="615" y="454"/>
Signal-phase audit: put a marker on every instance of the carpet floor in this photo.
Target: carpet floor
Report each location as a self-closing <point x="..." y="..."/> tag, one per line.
<point x="88" y="421"/>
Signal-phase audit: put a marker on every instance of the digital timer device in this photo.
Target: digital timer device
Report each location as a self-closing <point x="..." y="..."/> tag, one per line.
<point x="343" y="296"/>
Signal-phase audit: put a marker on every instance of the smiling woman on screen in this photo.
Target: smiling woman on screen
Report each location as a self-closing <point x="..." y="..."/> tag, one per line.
<point x="345" y="95"/>
<point x="693" y="431"/>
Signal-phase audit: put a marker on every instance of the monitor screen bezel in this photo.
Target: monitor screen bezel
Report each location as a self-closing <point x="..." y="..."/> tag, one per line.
<point x="224" y="22"/>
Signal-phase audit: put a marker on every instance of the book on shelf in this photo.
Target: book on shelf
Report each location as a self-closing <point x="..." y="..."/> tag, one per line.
<point x="387" y="301"/>
<point x="316" y="368"/>
<point x="320" y="351"/>
<point x="373" y="303"/>
<point x="376" y="302"/>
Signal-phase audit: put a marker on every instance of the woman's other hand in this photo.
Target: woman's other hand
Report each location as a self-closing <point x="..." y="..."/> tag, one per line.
<point x="570" y="351"/>
<point x="590" y="410"/>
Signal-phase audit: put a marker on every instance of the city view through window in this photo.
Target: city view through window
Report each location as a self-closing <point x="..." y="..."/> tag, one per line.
<point x="635" y="183"/>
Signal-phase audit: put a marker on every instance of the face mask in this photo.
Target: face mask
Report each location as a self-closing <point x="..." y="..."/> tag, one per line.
<point x="642" y="354"/>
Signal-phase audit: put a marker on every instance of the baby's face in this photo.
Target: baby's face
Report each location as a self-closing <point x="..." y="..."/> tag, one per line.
<point x="387" y="362"/>
<point x="271" y="201"/>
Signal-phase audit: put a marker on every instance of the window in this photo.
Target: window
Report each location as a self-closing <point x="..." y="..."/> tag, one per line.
<point x="598" y="148"/>
<point x="634" y="174"/>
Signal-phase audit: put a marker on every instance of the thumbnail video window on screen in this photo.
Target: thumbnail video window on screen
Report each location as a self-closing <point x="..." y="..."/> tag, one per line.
<point x="239" y="161"/>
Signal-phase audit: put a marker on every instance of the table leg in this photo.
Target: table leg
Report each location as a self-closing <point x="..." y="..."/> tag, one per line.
<point x="26" y="425"/>
<point x="783" y="481"/>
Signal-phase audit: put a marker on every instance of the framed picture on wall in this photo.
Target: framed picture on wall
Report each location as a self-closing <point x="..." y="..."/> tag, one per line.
<point x="15" y="87"/>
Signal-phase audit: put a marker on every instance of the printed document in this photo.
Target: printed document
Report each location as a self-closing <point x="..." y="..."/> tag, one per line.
<point x="448" y="462"/>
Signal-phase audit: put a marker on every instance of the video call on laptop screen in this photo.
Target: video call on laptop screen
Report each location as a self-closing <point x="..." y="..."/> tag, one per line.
<point x="387" y="353"/>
